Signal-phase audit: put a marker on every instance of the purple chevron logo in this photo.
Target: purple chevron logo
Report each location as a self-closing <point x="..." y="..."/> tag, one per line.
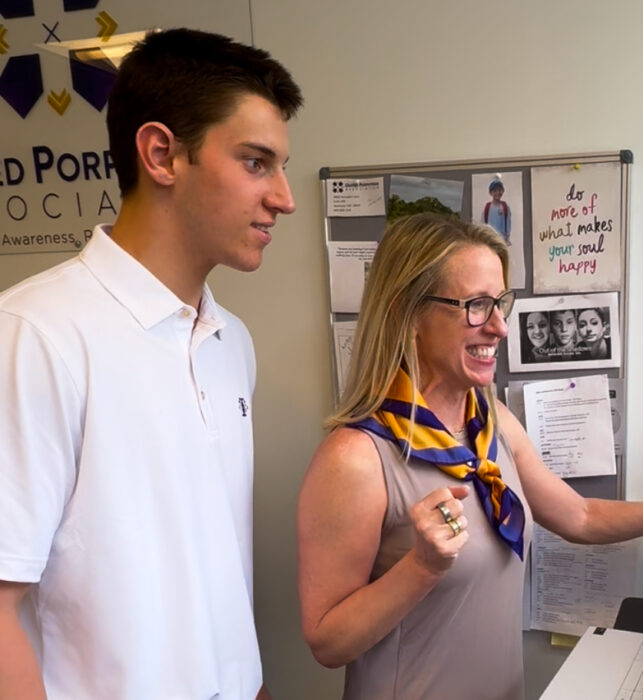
<point x="21" y="82"/>
<point x="10" y="9"/>
<point x="92" y="78"/>
<point x="73" y="5"/>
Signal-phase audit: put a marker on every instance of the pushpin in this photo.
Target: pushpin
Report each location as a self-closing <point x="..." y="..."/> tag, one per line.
<point x="576" y="166"/>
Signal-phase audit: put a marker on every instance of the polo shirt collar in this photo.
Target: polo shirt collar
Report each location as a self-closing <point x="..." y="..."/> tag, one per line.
<point x="136" y="288"/>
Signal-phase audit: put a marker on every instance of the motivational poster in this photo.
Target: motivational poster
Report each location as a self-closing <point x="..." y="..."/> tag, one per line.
<point x="576" y="228"/>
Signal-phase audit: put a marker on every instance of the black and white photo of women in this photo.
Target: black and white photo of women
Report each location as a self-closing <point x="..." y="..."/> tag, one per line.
<point x="565" y="335"/>
<point x="594" y="330"/>
<point x="534" y="333"/>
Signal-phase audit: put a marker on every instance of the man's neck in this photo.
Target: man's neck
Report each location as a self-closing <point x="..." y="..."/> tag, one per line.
<point x="152" y="239"/>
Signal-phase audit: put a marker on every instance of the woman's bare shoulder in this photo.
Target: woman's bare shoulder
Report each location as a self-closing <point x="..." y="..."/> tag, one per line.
<point x="348" y="443"/>
<point x="346" y="457"/>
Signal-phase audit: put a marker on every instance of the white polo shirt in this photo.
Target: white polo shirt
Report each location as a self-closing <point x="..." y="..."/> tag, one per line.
<point x="126" y="482"/>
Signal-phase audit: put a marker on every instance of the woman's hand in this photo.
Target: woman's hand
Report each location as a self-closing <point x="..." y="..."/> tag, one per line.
<point x="557" y="506"/>
<point x="438" y="542"/>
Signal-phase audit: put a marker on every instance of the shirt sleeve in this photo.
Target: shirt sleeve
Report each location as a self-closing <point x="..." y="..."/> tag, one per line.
<point x="40" y="438"/>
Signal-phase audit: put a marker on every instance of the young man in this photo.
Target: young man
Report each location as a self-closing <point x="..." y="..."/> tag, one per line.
<point x="126" y="439"/>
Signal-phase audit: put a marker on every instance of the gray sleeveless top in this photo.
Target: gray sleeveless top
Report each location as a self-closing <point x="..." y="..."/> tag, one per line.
<point x="464" y="640"/>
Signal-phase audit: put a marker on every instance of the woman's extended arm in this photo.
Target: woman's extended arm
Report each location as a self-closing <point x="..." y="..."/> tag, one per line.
<point x="555" y="504"/>
<point x="341" y="510"/>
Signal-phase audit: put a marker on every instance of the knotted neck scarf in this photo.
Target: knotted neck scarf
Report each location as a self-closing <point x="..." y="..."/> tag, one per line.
<point x="431" y="442"/>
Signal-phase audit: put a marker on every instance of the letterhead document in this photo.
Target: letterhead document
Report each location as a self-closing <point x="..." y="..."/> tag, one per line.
<point x="355" y="197"/>
<point x="570" y="423"/>
<point x="515" y="400"/>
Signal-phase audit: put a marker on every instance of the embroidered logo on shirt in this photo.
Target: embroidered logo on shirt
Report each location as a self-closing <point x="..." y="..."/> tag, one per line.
<point x="243" y="406"/>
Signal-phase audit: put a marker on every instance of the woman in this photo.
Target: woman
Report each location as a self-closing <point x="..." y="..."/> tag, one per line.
<point x="536" y="329"/>
<point x="594" y="332"/>
<point x="412" y="550"/>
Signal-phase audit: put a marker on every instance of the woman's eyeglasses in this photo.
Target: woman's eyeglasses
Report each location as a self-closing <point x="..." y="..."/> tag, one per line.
<point x="479" y="310"/>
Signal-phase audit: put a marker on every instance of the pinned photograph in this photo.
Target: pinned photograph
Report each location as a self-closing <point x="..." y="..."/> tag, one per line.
<point x="496" y="200"/>
<point x="571" y="332"/>
<point x="412" y="195"/>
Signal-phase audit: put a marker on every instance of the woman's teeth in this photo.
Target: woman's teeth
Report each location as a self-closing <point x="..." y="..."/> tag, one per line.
<point x="484" y="352"/>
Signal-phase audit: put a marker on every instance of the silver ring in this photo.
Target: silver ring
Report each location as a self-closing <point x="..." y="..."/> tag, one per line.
<point x="446" y="513"/>
<point x="455" y="525"/>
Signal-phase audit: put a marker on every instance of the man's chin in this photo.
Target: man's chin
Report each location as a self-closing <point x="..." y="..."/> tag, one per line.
<point x="248" y="264"/>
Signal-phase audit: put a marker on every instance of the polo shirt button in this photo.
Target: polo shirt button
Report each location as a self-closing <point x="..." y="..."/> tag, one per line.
<point x="185" y="312"/>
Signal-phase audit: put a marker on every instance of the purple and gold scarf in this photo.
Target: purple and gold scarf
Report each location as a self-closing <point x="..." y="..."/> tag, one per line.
<point x="431" y="442"/>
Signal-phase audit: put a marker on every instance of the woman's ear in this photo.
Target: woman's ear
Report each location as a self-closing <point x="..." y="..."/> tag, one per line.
<point x="157" y="147"/>
<point x="418" y="315"/>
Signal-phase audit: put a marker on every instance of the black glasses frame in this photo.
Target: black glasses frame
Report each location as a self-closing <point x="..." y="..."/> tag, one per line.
<point x="466" y="304"/>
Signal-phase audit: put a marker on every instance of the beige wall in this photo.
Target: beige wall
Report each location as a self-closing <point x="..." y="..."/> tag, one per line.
<point x="386" y="82"/>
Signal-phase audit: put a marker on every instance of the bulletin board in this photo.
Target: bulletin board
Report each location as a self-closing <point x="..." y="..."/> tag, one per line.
<point x="566" y="220"/>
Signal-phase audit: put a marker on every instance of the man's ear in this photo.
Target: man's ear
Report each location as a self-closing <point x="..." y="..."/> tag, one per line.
<point x="157" y="147"/>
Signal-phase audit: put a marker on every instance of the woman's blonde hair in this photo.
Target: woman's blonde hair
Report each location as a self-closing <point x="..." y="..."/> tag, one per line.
<point x="410" y="263"/>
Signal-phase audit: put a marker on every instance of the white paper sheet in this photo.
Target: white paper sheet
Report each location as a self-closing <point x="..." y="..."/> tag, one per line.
<point x="576" y="229"/>
<point x="605" y="664"/>
<point x="570" y="424"/>
<point x="355" y="197"/>
<point x="573" y="585"/>
<point x="617" y="411"/>
<point x="515" y="401"/>
<point x="349" y="263"/>
<point x="343" y="334"/>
